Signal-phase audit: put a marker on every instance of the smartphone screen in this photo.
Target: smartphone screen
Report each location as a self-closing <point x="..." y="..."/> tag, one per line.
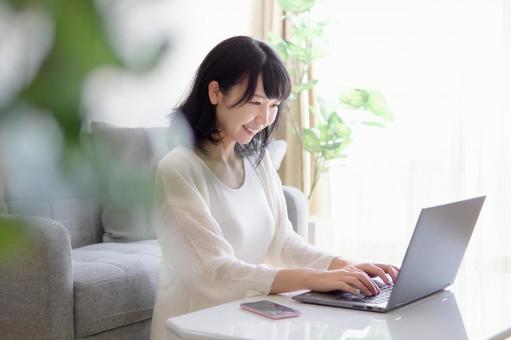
<point x="270" y="309"/>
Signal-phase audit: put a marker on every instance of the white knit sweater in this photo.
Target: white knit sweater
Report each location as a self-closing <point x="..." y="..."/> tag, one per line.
<point x="211" y="252"/>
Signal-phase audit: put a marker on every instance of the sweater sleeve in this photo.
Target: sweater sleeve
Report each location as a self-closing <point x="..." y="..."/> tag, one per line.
<point x="288" y="249"/>
<point x="193" y="243"/>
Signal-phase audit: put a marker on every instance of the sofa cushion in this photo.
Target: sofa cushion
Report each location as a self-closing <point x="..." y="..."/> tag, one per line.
<point x="114" y="284"/>
<point x="128" y="159"/>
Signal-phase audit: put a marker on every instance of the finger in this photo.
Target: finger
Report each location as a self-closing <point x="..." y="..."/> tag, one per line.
<point x="377" y="271"/>
<point x="354" y="270"/>
<point x="368" y="269"/>
<point x="347" y="287"/>
<point x="354" y="282"/>
<point x="391" y="271"/>
<point x="366" y="280"/>
<point x="360" y="271"/>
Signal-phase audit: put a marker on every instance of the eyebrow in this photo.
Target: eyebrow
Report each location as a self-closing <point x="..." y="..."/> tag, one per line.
<point x="264" y="97"/>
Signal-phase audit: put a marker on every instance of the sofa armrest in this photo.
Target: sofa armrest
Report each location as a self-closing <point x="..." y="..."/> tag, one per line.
<point x="297" y="210"/>
<point x="36" y="282"/>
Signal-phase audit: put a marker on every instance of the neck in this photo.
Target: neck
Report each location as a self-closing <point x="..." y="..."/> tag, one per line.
<point x="222" y="152"/>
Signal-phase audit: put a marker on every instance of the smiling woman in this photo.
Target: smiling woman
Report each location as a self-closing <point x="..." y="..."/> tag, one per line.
<point x="220" y="212"/>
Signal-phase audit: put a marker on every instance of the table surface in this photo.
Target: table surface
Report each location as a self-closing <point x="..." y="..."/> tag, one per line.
<point x="477" y="306"/>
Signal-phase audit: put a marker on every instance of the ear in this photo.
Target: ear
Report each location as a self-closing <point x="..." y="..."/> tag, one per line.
<point x="214" y="92"/>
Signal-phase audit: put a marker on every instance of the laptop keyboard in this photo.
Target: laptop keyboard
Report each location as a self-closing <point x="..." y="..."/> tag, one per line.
<point x="382" y="297"/>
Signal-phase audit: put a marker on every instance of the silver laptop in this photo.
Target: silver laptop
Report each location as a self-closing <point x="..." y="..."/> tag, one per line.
<point x="430" y="264"/>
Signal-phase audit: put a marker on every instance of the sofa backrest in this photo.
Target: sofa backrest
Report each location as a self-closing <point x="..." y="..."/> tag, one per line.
<point x="80" y="216"/>
<point x="79" y="213"/>
<point x="3" y="206"/>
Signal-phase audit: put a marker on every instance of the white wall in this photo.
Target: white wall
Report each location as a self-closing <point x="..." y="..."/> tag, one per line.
<point x="193" y="27"/>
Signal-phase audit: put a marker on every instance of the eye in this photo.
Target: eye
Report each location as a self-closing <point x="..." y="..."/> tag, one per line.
<point x="276" y="105"/>
<point x="255" y="102"/>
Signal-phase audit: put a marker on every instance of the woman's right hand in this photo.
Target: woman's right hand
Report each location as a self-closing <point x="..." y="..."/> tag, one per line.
<point x="349" y="280"/>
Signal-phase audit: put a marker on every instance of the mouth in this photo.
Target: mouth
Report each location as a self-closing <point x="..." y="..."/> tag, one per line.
<point x="250" y="131"/>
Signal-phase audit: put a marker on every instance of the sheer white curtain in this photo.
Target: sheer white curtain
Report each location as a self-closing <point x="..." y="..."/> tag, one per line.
<point x="444" y="68"/>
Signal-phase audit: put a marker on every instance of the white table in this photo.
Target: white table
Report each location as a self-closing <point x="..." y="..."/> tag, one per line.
<point x="463" y="312"/>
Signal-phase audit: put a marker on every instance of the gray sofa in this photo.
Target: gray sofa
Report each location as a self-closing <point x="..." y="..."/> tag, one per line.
<point x="71" y="284"/>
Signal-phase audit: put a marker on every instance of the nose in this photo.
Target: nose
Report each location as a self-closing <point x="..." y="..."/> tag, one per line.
<point x="264" y="116"/>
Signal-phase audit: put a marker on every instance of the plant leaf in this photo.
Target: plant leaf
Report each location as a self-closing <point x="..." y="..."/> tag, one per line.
<point x="305" y="86"/>
<point x="337" y="152"/>
<point x="311" y="142"/>
<point x="337" y="126"/>
<point x="378" y="105"/>
<point x="373" y="124"/>
<point x="355" y="98"/>
<point x="306" y="31"/>
<point x="324" y="133"/>
<point x="296" y="5"/>
<point x="281" y="46"/>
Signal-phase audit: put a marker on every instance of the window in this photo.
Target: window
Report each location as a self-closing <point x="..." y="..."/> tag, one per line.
<point x="445" y="69"/>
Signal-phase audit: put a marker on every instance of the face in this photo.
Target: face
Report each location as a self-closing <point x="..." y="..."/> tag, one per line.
<point x="239" y="124"/>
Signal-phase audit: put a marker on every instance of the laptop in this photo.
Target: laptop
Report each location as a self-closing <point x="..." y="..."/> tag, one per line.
<point x="430" y="264"/>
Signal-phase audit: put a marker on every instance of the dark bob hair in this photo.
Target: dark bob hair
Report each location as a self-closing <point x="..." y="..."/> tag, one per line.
<point x="229" y="63"/>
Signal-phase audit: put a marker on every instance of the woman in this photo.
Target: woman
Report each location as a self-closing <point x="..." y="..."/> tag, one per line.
<point x="222" y="218"/>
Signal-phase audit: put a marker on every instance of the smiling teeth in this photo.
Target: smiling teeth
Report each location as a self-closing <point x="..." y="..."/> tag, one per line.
<point x="249" y="129"/>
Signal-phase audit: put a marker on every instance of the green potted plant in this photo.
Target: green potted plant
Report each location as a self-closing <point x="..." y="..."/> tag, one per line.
<point x="328" y="134"/>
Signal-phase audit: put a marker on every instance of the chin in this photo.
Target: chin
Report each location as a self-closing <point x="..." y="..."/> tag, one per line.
<point x="244" y="141"/>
